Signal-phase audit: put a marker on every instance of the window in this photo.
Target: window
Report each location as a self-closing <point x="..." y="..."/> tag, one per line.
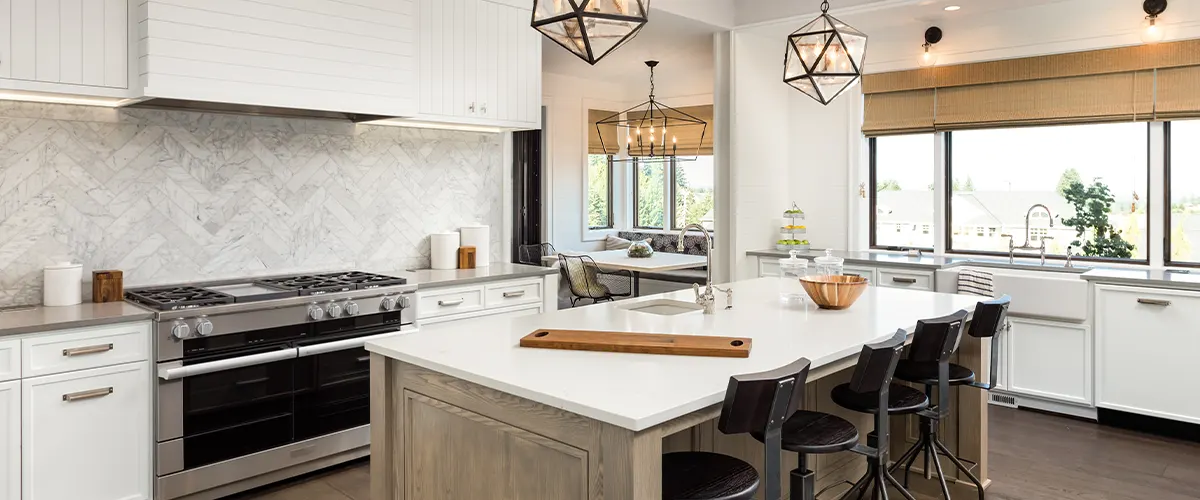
<point x="1183" y="189"/>
<point x="648" y="195"/>
<point x="902" y="169"/>
<point x="600" y="195"/>
<point x="998" y="175"/>
<point x="692" y="192"/>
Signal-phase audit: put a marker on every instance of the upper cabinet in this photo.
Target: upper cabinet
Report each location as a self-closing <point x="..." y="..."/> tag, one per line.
<point x="351" y="56"/>
<point x="480" y="63"/>
<point x="65" y="46"/>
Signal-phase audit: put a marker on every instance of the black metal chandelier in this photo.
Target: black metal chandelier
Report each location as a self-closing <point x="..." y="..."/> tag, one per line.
<point x="590" y="29"/>
<point x="653" y="131"/>
<point x="825" y="57"/>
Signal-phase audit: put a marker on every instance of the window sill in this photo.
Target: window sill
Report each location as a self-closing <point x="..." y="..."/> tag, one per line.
<point x="598" y="234"/>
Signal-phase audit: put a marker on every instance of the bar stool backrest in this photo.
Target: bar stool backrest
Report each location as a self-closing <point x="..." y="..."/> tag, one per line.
<point x="936" y="339"/>
<point x="759" y="402"/>
<point x="877" y="364"/>
<point x="989" y="317"/>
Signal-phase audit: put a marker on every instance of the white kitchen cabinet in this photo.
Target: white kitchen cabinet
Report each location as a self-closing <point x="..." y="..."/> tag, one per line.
<point x="491" y="314"/>
<point x="86" y="434"/>
<point x="904" y="278"/>
<point x="1145" y="345"/>
<point x="67" y="46"/>
<point x="10" y="360"/>
<point x="479" y="64"/>
<point x="768" y="267"/>
<point x="10" y="440"/>
<point x="1049" y="360"/>
<point x="866" y="272"/>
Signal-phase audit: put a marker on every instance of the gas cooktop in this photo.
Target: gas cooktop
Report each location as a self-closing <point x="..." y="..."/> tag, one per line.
<point x="173" y="298"/>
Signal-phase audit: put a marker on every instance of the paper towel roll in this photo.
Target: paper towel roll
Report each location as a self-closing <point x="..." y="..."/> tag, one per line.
<point x="443" y="250"/>
<point x="477" y="236"/>
<point x="62" y="284"/>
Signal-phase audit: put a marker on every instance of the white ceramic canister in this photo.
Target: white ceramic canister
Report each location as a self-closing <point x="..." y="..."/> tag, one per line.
<point x="443" y="252"/>
<point x="62" y="285"/>
<point x="477" y="236"/>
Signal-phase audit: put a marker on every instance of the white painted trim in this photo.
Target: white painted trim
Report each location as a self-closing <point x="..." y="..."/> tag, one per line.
<point x="723" y="191"/>
<point x="506" y="225"/>
<point x="1158" y="204"/>
<point x="547" y="168"/>
<point x="941" y="189"/>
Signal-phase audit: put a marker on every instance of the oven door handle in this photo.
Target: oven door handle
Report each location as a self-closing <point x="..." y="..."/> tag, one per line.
<point x="180" y="372"/>
<point x="354" y="343"/>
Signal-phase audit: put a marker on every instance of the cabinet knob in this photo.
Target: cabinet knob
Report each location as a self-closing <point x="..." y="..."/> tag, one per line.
<point x="483" y="109"/>
<point x="471" y="108"/>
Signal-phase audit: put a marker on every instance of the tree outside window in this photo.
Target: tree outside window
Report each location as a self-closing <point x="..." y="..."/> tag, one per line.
<point x="599" y="204"/>
<point x="693" y="192"/>
<point x="649" y="192"/>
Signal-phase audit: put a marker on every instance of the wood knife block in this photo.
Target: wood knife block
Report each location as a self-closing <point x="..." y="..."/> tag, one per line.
<point x="108" y="286"/>
<point x="466" y="257"/>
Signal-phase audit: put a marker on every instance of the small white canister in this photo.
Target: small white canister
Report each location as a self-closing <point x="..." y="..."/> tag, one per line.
<point x="62" y="285"/>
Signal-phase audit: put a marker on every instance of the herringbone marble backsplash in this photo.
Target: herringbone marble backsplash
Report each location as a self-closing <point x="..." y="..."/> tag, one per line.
<point x="174" y="196"/>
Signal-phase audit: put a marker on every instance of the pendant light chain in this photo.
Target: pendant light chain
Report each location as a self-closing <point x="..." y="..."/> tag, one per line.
<point x="651" y="83"/>
<point x="825" y="7"/>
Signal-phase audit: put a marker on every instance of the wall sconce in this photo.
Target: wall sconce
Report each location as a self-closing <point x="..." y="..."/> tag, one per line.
<point x="929" y="58"/>
<point x="1151" y="31"/>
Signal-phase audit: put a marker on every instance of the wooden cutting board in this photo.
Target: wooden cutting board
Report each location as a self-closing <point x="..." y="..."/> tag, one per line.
<point x="639" y="343"/>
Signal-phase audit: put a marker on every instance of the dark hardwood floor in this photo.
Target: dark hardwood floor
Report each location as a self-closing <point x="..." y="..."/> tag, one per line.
<point x="1034" y="456"/>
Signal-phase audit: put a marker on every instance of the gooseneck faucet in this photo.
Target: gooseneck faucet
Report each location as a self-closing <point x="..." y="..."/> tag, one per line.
<point x="705" y="299"/>
<point x="1026" y="246"/>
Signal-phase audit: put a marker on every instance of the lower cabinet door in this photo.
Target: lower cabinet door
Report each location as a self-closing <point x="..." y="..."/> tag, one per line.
<point x="87" y="434"/>
<point x="1050" y="360"/>
<point x="10" y="440"/>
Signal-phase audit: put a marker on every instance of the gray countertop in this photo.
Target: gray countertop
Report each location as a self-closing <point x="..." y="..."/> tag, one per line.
<point x="925" y="262"/>
<point x="497" y="271"/>
<point x="1145" y="277"/>
<point x="31" y="319"/>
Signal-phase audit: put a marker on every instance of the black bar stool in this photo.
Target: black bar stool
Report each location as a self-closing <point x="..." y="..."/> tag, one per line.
<point x="929" y="368"/>
<point x="756" y="403"/>
<point x="870" y="390"/>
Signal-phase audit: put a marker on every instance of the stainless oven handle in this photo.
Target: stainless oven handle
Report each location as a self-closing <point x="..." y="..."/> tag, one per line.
<point x="341" y="345"/>
<point x="185" y="371"/>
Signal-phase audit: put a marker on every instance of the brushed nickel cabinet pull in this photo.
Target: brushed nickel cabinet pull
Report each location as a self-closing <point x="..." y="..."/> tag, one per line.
<point x="94" y="393"/>
<point x="1154" y="302"/>
<point x="92" y="349"/>
<point x="449" y="303"/>
<point x="909" y="281"/>
<point x="510" y="295"/>
<point x="363" y="359"/>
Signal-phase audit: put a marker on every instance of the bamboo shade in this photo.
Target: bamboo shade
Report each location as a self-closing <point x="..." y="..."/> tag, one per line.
<point x="1144" y="82"/>
<point x="611" y="145"/>
<point x="689" y="136"/>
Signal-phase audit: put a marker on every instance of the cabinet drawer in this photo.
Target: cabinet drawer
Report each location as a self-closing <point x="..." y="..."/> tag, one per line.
<point x="10" y="360"/>
<point x="511" y="294"/>
<point x="768" y="267"/>
<point x="452" y="301"/>
<point x="866" y="272"/>
<point x="906" y="279"/>
<point x="71" y="350"/>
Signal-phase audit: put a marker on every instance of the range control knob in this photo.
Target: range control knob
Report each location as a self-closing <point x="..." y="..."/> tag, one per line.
<point x="405" y="302"/>
<point x="315" y="312"/>
<point x="388" y="303"/>
<point x="333" y="310"/>
<point x="350" y="307"/>
<point x="204" y="327"/>
<point x="181" y="330"/>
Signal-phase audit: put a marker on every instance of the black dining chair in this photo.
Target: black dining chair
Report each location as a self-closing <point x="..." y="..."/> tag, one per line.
<point x="756" y="404"/>
<point x="928" y="363"/>
<point x="532" y="254"/>
<point x="871" y="390"/>
<point x="989" y="321"/>
<point x="588" y="282"/>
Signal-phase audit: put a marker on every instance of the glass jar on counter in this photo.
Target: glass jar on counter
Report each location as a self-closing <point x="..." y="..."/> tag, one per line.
<point x="828" y="265"/>
<point x="790" y="272"/>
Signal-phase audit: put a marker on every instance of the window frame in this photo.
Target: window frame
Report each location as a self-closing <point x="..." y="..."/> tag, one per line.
<point x="675" y="225"/>
<point x="609" y="204"/>
<point x="1167" y="261"/>
<point x="873" y="200"/>
<point x="948" y="202"/>
<point x="633" y="180"/>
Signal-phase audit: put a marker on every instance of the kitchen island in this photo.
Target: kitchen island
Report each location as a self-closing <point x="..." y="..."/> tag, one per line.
<point x="462" y="412"/>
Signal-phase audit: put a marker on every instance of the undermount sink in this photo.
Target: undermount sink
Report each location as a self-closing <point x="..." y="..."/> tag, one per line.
<point x="663" y="307"/>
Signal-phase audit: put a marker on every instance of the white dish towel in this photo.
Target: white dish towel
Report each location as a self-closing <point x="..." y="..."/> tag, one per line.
<point x="976" y="282"/>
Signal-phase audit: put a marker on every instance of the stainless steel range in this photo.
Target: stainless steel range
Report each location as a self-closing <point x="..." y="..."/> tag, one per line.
<point x="264" y="379"/>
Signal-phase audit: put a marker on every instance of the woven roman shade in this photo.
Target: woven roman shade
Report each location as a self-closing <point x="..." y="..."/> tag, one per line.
<point x="689" y="136"/>
<point x="1144" y="82"/>
<point x="611" y="145"/>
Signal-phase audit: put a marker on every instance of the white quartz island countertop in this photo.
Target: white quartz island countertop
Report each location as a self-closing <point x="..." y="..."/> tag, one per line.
<point x="639" y="391"/>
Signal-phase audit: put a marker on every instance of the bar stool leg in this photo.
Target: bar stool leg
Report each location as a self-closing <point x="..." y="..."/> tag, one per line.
<point x="941" y="476"/>
<point x="958" y="463"/>
<point x="903" y="490"/>
<point x="803" y="482"/>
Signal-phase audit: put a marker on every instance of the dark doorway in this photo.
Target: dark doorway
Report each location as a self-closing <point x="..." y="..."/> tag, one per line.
<point x="527" y="189"/>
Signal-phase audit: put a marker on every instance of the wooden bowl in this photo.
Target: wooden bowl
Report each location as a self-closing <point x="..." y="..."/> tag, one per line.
<point x="834" y="292"/>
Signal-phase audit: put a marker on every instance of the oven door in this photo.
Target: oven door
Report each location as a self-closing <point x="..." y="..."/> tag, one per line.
<point x="333" y="381"/>
<point x="219" y="407"/>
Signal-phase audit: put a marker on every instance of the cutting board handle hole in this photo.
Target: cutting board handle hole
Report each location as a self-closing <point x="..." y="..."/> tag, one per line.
<point x="737" y="343"/>
<point x="541" y="334"/>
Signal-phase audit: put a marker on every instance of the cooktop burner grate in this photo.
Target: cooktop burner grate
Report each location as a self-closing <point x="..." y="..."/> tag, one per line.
<point x="307" y="284"/>
<point x="363" y="281"/>
<point x="177" y="297"/>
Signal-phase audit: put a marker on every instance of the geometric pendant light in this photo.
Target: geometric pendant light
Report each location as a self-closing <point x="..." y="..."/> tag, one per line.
<point x="653" y="132"/>
<point x="590" y="29"/>
<point x="824" y="57"/>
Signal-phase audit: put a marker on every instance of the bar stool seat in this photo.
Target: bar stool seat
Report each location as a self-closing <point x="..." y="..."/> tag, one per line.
<point x="902" y="399"/>
<point x="816" y="433"/>
<point x="698" y="475"/>
<point x="926" y="373"/>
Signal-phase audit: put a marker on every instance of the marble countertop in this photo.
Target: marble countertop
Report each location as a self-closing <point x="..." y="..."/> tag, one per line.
<point x="927" y="262"/>
<point x="638" y="391"/>
<point x="435" y="278"/>
<point x="1145" y="277"/>
<point x="32" y="319"/>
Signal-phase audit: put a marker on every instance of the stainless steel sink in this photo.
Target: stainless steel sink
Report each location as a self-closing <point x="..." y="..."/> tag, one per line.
<point x="663" y="307"/>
